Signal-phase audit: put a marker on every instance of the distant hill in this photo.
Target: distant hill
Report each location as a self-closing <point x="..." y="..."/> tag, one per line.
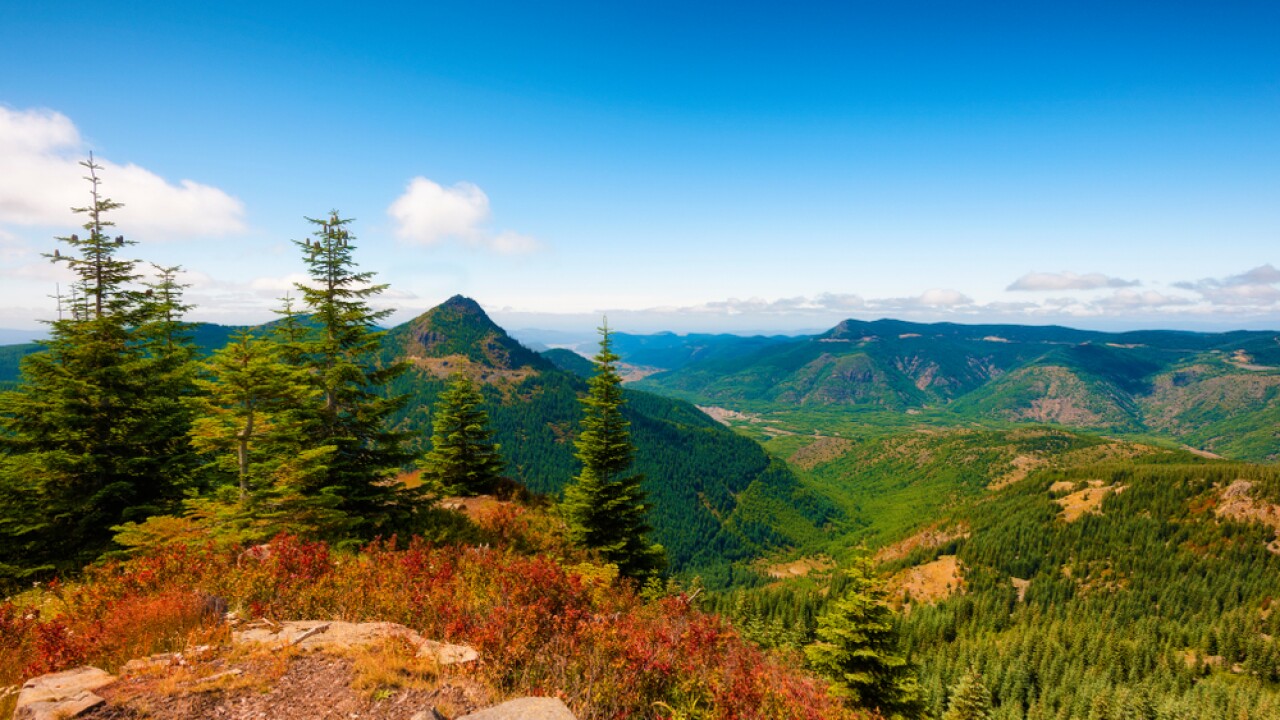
<point x="570" y="361"/>
<point x="1217" y="391"/>
<point x="207" y="336"/>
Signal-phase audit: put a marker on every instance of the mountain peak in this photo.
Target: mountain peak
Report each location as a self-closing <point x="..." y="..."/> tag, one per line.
<point x="460" y="332"/>
<point x="464" y="304"/>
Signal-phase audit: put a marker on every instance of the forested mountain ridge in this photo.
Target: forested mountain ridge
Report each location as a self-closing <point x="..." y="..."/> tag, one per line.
<point x="718" y="497"/>
<point x="1216" y="391"/>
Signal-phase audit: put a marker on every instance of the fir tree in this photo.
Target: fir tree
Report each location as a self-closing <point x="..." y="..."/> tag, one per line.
<point x="464" y="459"/>
<point x="605" y="505"/>
<point x="970" y="699"/>
<point x="353" y="406"/>
<point x="857" y="649"/>
<point x="82" y="446"/>
<point x="248" y="420"/>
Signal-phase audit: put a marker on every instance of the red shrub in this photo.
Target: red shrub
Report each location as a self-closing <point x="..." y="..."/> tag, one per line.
<point x="539" y="627"/>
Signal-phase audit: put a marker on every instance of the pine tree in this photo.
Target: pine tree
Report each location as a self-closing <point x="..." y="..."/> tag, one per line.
<point x="857" y="649"/>
<point x="168" y="371"/>
<point x="970" y="699"/>
<point x="464" y="459"/>
<point x="81" y="448"/>
<point x="248" y="421"/>
<point x="353" y="406"/>
<point x="605" y="505"/>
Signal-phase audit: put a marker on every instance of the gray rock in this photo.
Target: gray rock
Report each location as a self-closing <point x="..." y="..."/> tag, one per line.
<point x="61" y="695"/>
<point x="526" y="708"/>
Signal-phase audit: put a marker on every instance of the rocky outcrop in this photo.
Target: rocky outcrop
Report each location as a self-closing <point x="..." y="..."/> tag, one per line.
<point x="527" y="708"/>
<point x="336" y="635"/>
<point x="61" y="695"/>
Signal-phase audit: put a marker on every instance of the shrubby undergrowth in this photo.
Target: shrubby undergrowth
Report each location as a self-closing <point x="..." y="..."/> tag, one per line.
<point x="547" y="622"/>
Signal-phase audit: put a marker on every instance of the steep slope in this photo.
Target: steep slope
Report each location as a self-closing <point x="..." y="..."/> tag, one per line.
<point x="717" y="495"/>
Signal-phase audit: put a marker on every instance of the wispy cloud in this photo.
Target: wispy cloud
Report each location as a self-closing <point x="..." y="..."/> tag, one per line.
<point x="1256" y="288"/>
<point x="428" y="213"/>
<point x="1059" y="281"/>
<point x="40" y="151"/>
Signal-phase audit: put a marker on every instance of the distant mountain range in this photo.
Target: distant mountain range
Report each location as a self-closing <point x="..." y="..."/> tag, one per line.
<point x="1215" y="391"/>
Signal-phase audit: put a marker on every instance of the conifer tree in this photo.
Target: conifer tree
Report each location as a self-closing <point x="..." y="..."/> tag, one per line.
<point x="605" y="505"/>
<point x="248" y="420"/>
<point x="970" y="699"/>
<point x="463" y="460"/>
<point x="353" y="406"/>
<point x="168" y="371"/>
<point x="857" y="649"/>
<point x="82" y="450"/>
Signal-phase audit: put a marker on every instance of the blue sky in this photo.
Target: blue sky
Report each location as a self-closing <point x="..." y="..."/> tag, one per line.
<point x="726" y="166"/>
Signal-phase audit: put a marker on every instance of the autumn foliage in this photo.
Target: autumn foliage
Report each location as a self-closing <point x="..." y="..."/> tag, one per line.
<point x="545" y="623"/>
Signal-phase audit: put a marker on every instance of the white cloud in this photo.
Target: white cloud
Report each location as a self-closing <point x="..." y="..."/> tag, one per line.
<point x="40" y="151"/>
<point x="1139" y="299"/>
<point x="1256" y="289"/>
<point x="1036" y="281"/>
<point x="428" y="213"/>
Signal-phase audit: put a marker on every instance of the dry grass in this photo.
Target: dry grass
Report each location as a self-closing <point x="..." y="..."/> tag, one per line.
<point x="928" y="583"/>
<point x="391" y="665"/>
<point x="930" y="537"/>
<point x="1088" y="500"/>
<point x="798" y="568"/>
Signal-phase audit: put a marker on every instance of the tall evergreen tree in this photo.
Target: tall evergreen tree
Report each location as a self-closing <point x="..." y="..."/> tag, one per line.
<point x="81" y="450"/>
<point x="857" y="648"/>
<point x="463" y="460"/>
<point x="605" y="505"/>
<point x="970" y="699"/>
<point x="353" y="407"/>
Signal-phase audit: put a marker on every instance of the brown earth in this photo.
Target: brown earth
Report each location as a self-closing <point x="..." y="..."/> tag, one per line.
<point x="299" y="687"/>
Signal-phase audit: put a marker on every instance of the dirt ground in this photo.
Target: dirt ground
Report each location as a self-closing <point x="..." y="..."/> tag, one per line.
<point x="314" y="685"/>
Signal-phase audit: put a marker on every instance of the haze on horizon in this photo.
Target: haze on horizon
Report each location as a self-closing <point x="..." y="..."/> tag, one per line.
<point x="763" y="168"/>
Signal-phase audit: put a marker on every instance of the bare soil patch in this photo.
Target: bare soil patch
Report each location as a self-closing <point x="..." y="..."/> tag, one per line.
<point x="724" y="415"/>
<point x="1088" y="500"/>
<point x="928" y="583"/>
<point x="798" y="568"/>
<point x="1022" y="467"/>
<point x="1236" y="502"/>
<point x="928" y="538"/>
<point x="446" y="366"/>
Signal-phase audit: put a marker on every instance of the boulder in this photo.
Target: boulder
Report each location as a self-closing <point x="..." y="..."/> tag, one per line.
<point x="335" y="635"/>
<point x="61" y="695"/>
<point x="526" y="708"/>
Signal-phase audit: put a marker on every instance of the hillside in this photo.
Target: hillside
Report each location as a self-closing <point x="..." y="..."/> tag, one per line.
<point x="718" y="497"/>
<point x="1074" y="571"/>
<point x="1214" y="391"/>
